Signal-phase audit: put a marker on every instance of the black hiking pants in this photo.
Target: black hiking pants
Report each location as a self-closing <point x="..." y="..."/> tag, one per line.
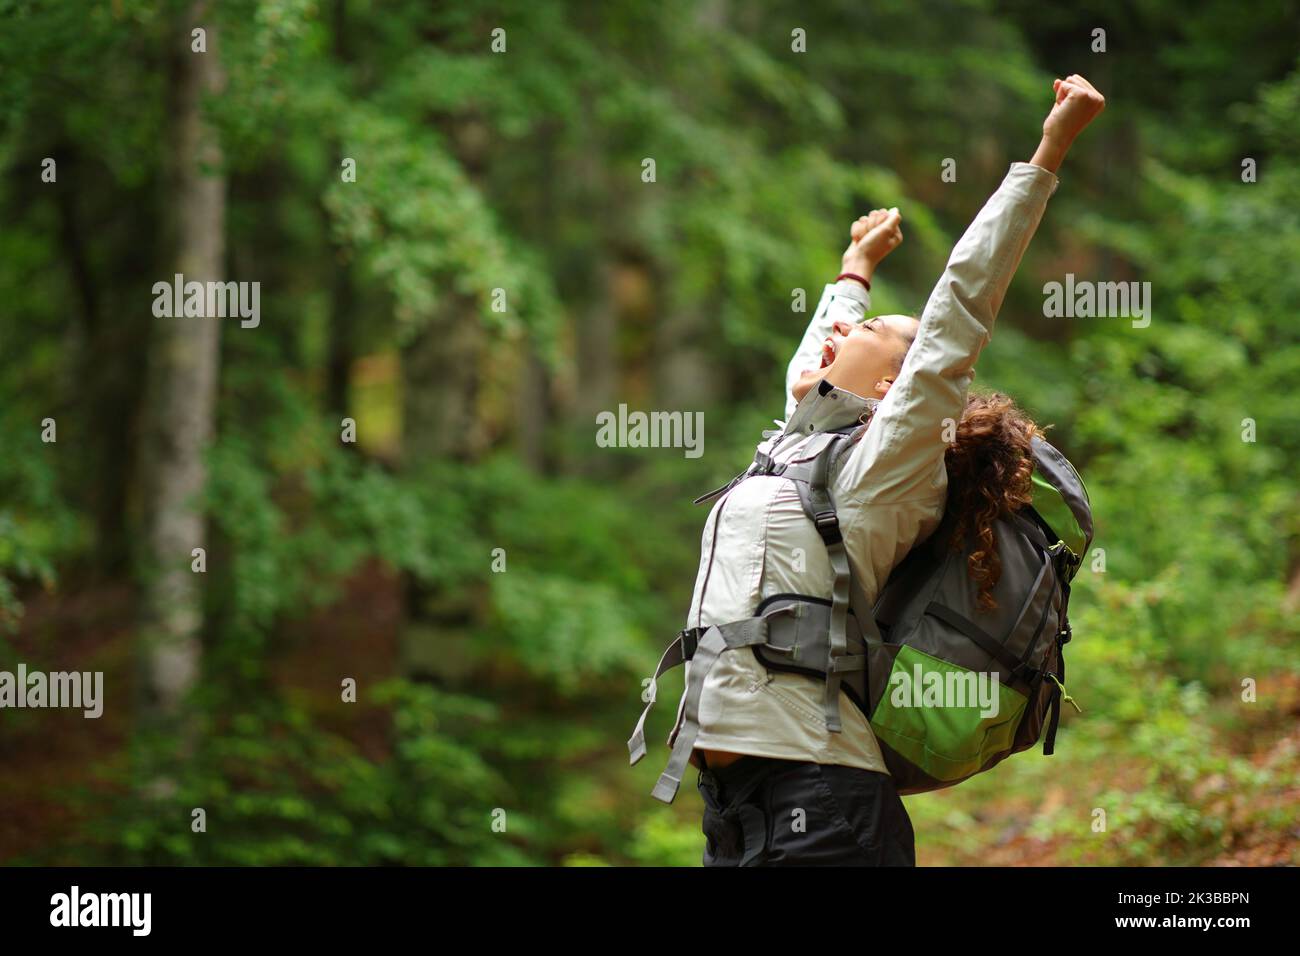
<point x="759" y="811"/>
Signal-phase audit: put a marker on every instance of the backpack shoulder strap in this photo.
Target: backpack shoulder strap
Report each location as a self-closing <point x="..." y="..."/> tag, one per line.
<point x="814" y="495"/>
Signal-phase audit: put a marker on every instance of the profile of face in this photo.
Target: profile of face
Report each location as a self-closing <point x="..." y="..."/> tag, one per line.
<point x="862" y="358"/>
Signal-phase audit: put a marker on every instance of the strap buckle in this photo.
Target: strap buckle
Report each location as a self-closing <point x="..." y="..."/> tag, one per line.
<point x="1067" y="562"/>
<point x="828" y="526"/>
<point x="690" y="638"/>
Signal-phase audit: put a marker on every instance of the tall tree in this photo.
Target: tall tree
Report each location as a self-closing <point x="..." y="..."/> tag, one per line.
<point x="185" y="362"/>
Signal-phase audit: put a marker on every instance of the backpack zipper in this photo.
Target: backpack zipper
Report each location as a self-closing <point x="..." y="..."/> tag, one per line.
<point x="1064" y="696"/>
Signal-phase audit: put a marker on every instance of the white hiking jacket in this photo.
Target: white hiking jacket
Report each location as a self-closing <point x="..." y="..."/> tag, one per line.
<point x="889" y="491"/>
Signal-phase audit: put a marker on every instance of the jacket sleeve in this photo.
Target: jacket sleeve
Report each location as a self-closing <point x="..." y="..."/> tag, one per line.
<point x="846" y="300"/>
<point x="901" y="455"/>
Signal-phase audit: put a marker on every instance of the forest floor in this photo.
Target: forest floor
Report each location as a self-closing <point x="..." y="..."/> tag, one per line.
<point x="1249" y="839"/>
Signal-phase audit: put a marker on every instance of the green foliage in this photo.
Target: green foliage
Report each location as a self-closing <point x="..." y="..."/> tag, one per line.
<point x="277" y="790"/>
<point x="38" y="527"/>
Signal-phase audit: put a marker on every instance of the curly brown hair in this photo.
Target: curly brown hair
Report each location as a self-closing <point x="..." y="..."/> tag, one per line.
<point x="990" y="463"/>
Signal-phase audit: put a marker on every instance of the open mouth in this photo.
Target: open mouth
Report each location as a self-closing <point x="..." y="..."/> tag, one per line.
<point x="827" y="359"/>
<point x="828" y="354"/>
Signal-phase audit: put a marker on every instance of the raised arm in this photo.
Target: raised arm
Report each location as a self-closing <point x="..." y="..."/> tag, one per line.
<point x="901" y="455"/>
<point x="871" y="238"/>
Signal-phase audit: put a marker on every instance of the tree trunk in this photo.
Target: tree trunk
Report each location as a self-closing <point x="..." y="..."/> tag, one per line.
<point x="532" y="410"/>
<point x="440" y="383"/>
<point x="440" y="392"/>
<point x="184" y="382"/>
<point x="684" y="377"/>
<point x="597" y="350"/>
<point x="341" y="347"/>
<point x="342" y="344"/>
<point x="114" y="391"/>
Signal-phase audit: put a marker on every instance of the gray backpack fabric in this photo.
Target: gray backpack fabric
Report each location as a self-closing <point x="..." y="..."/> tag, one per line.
<point x="999" y="675"/>
<point x="949" y="689"/>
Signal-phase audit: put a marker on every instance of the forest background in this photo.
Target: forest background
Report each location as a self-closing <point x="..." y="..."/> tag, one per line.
<point x="462" y="259"/>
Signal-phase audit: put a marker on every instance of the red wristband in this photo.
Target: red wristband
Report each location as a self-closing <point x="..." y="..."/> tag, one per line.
<point x="866" y="283"/>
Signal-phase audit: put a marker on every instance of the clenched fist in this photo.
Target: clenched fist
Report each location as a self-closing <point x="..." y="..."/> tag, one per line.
<point x="1077" y="104"/>
<point x="871" y="238"/>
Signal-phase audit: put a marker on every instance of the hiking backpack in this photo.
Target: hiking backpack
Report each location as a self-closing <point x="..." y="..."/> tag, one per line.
<point x="925" y="629"/>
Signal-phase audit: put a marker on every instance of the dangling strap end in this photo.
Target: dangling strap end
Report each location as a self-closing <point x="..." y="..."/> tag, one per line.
<point x="709" y="496"/>
<point x="831" y="703"/>
<point x="666" y="789"/>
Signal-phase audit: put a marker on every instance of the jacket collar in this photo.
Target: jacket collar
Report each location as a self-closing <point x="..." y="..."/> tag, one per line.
<point x="828" y="407"/>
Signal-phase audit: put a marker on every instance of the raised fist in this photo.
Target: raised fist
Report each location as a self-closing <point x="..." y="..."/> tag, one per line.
<point x="871" y="238"/>
<point x="1077" y="104"/>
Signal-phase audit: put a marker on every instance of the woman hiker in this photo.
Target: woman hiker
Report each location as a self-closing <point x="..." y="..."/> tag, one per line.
<point x="779" y="785"/>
